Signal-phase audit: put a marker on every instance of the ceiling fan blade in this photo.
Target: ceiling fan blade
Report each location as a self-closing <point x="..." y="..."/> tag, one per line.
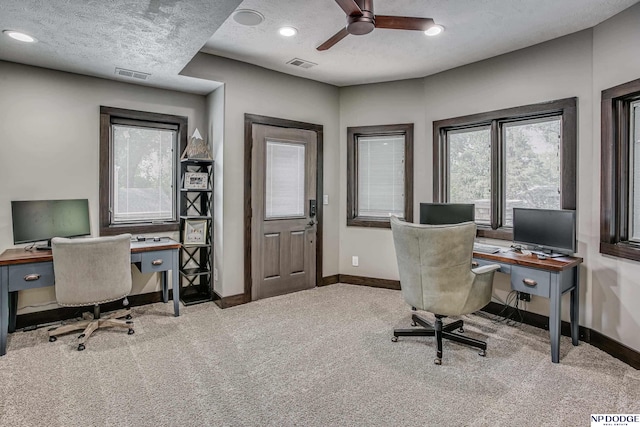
<point x="334" y="39"/>
<point x="403" y="22"/>
<point x="350" y="7"/>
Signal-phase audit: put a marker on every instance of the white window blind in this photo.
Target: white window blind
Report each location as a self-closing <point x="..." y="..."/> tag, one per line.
<point x="143" y="174"/>
<point x="381" y="176"/>
<point x="284" y="181"/>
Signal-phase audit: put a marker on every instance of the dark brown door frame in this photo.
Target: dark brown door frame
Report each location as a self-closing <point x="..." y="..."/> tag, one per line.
<point x="249" y="121"/>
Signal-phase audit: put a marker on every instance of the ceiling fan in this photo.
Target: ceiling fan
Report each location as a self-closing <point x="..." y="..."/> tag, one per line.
<point x="361" y="20"/>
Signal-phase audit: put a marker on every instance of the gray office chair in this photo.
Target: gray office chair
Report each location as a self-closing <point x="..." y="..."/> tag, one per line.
<point x="436" y="276"/>
<point x="92" y="271"/>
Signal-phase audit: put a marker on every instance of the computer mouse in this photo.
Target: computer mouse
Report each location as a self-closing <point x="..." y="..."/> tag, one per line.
<point x="542" y="256"/>
<point x="156" y="239"/>
<point x="141" y="238"/>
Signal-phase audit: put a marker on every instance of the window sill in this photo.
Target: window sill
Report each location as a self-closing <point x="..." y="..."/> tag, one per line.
<point x="369" y="222"/>
<point x="112" y="230"/>
<point x="500" y="234"/>
<point x="621" y="250"/>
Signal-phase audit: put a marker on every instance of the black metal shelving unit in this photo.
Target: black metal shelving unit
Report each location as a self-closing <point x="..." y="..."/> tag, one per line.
<point x="196" y="259"/>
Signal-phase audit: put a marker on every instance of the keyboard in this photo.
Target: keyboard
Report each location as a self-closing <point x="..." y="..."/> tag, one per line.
<point x="487" y="249"/>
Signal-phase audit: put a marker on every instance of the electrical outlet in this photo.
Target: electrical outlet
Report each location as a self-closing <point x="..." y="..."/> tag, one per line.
<point x="523" y="296"/>
<point x="354" y="261"/>
<point x="325" y="199"/>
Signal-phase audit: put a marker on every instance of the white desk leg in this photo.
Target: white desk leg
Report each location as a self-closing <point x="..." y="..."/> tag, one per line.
<point x="575" y="307"/>
<point x="4" y="309"/>
<point x="175" y="279"/>
<point x="554" y="317"/>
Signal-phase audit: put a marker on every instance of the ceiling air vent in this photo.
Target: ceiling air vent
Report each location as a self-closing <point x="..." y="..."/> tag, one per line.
<point x="132" y="74"/>
<point x="297" y="62"/>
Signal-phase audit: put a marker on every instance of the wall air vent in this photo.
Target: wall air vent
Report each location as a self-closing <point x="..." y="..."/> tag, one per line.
<point x="132" y="74"/>
<point x="297" y="62"/>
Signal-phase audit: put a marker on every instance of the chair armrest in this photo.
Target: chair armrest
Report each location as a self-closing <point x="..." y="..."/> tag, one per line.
<point x="485" y="269"/>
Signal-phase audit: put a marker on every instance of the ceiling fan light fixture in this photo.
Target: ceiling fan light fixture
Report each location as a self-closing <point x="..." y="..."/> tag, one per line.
<point x="288" y="31"/>
<point x="17" y="35"/>
<point x="248" y="17"/>
<point x="434" y="30"/>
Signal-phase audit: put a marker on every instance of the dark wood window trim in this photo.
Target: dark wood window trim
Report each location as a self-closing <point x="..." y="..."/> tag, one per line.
<point x="567" y="108"/>
<point x="110" y="115"/>
<point x="353" y="133"/>
<point x="614" y="176"/>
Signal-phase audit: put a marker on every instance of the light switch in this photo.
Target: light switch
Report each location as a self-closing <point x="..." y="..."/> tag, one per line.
<point x="325" y="199"/>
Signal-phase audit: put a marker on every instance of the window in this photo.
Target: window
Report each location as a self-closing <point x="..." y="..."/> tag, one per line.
<point x="379" y="174"/>
<point x="517" y="157"/>
<point x="620" y="174"/>
<point x="284" y="181"/>
<point x="139" y="154"/>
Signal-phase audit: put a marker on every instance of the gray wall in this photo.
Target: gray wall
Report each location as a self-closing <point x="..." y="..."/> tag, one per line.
<point x="379" y="104"/>
<point x="255" y="90"/>
<point x="49" y="140"/>
<point x="582" y="65"/>
<point x="614" y="284"/>
<point x="545" y="72"/>
<point x="38" y="148"/>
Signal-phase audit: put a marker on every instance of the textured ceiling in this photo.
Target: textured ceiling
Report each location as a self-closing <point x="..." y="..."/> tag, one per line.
<point x="475" y="30"/>
<point x="160" y="37"/>
<point x="93" y="37"/>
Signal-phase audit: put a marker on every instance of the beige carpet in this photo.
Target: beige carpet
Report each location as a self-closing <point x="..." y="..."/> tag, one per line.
<point x="322" y="357"/>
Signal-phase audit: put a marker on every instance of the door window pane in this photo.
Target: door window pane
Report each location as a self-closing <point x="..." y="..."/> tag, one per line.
<point x="284" y="181"/>
<point x="470" y="169"/>
<point x="143" y="174"/>
<point x="381" y="176"/>
<point x="634" y="229"/>
<point x="532" y="165"/>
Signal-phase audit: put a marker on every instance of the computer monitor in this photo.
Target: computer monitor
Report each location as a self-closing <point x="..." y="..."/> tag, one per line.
<point x="41" y="220"/>
<point x="446" y="213"/>
<point x="546" y="230"/>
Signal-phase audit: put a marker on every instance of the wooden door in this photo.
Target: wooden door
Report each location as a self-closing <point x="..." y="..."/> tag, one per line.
<point x="283" y="210"/>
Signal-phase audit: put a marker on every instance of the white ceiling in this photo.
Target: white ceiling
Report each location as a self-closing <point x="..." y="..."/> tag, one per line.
<point x="474" y="30"/>
<point x="160" y="37"/>
<point x="93" y="37"/>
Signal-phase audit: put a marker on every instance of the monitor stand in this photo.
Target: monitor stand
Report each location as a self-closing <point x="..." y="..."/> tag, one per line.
<point x="548" y="254"/>
<point x="44" y="247"/>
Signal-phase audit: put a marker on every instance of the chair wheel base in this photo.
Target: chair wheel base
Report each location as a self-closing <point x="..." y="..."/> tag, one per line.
<point x="52" y="339"/>
<point x="81" y="347"/>
<point x="461" y="330"/>
<point x="131" y="331"/>
<point x="437" y="361"/>
<point x="394" y="339"/>
<point x="482" y="353"/>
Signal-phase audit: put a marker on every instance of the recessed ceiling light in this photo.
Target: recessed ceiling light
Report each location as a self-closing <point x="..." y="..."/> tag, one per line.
<point x="248" y="17"/>
<point x="16" y="35"/>
<point x="434" y="30"/>
<point x="288" y="31"/>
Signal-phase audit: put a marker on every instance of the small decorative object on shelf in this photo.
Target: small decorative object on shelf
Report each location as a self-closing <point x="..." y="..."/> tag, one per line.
<point x="197" y="148"/>
<point x="195" y="232"/>
<point x="196" y="181"/>
<point x="196" y="221"/>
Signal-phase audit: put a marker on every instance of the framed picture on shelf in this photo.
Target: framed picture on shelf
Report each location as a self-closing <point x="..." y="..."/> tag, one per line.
<point x="195" y="232"/>
<point x="196" y="180"/>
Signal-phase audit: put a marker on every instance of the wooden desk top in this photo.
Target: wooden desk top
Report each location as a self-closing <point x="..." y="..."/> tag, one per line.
<point x="549" y="264"/>
<point x="20" y="256"/>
